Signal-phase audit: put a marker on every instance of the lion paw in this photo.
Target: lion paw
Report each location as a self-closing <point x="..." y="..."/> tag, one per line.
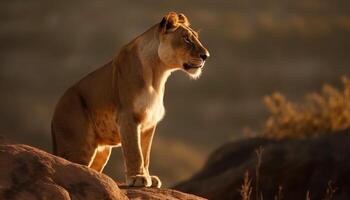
<point x="156" y="182"/>
<point x="139" y="181"/>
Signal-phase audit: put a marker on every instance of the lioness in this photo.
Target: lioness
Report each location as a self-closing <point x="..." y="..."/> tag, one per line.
<point x="121" y="103"/>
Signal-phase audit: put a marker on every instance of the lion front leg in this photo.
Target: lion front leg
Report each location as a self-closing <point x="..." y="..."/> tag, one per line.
<point x="131" y="146"/>
<point x="146" y="143"/>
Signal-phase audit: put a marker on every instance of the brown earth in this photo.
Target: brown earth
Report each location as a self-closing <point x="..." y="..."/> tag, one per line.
<point x="296" y="165"/>
<point x="27" y="173"/>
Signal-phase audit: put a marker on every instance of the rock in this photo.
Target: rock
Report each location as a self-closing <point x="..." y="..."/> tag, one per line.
<point x="27" y="173"/>
<point x="296" y="165"/>
<point x="157" y="194"/>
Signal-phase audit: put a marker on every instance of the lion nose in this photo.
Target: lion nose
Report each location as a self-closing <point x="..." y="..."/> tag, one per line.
<point x="205" y="55"/>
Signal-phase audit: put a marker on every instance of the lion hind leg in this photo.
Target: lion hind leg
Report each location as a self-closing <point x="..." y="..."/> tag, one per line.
<point x="82" y="156"/>
<point x="75" y="149"/>
<point x="73" y="132"/>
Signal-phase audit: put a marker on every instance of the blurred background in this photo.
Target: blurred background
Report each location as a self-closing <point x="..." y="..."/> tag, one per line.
<point x="257" y="47"/>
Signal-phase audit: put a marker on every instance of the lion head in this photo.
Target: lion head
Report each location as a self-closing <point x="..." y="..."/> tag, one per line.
<point x="179" y="46"/>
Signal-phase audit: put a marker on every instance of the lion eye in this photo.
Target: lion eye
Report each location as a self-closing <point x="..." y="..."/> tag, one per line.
<point x="187" y="40"/>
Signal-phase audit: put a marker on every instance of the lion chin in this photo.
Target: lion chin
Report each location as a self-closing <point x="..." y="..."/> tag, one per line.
<point x="194" y="73"/>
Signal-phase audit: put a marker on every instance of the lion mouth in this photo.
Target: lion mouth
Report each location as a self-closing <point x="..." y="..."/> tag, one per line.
<point x="188" y="66"/>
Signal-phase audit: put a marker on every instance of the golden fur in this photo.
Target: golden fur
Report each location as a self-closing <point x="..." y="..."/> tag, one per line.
<point x="121" y="103"/>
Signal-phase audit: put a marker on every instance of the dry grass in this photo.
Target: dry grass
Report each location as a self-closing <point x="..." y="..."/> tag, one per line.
<point x="324" y="112"/>
<point x="308" y="196"/>
<point x="246" y="189"/>
<point x="320" y="113"/>
<point x="279" y="195"/>
<point x="330" y="191"/>
<point x="258" y="193"/>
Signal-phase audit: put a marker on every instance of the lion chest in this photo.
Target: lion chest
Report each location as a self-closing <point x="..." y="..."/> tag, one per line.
<point x="149" y="106"/>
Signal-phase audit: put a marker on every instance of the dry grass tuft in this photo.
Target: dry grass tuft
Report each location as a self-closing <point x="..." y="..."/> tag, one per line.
<point x="258" y="193"/>
<point x="324" y="112"/>
<point x="330" y="191"/>
<point x="279" y="195"/>
<point x="308" y="196"/>
<point x="246" y="189"/>
<point x="320" y="113"/>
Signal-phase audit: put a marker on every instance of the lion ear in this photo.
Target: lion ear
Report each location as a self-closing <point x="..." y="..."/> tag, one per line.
<point x="169" y="22"/>
<point x="183" y="19"/>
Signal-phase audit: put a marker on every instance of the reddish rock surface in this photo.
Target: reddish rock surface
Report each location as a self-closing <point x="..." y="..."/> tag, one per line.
<point x="158" y="194"/>
<point x="27" y="173"/>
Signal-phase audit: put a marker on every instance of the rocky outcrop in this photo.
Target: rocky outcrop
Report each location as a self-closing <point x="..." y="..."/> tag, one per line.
<point x="157" y="194"/>
<point x="296" y="165"/>
<point x="27" y="173"/>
